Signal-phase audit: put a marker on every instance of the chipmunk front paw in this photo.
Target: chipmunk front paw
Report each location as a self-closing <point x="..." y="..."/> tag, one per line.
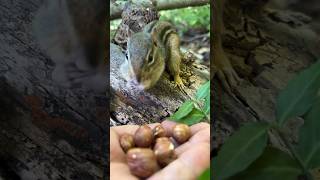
<point x="225" y="71"/>
<point x="179" y="83"/>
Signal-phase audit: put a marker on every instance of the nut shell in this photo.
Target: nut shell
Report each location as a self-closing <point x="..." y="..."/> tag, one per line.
<point x="142" y="162"/>
<point x="159" y="131"/>
<point x="126" y="142"/>
<point x="181" y="133"/>
<point x="164" y="151"/>
<point x="143" y="136"/>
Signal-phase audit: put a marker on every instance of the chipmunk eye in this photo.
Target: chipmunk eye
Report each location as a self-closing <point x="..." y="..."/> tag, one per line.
<point x="126" y="53"/>
<point x="150" y="60"/>
<point x="155" y="44"/>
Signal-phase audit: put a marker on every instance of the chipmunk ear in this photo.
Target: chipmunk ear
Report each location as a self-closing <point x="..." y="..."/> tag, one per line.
<point x="154" y="39"/>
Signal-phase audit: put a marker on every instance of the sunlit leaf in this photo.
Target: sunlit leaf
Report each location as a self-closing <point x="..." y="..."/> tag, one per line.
<point x="203" y="91"/>
<point x="183" y="111"/>
<point x="195" y="116"/>
<point x="206" y="107"/>
<point x="205" y="175"/>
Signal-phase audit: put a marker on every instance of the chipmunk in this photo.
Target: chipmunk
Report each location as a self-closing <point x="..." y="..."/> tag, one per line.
<point x="221" y="63"/>
<point x="223" y="68"/>
<point x="73" y="34"/>
<point x="151" y="51"/>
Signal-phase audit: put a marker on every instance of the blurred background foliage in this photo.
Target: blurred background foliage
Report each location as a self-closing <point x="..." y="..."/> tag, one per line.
<point x="184" y="19"/>
<point x="191" y="17"/>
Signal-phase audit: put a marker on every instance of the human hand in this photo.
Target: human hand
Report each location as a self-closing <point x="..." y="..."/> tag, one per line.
<point x="193" y="155"/>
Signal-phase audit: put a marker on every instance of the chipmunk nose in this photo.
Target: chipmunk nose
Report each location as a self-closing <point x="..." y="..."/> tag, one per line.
<point x="138" y="80"/>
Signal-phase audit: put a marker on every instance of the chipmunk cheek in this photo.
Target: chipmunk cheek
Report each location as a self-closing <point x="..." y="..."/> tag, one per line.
<point x="145" y="84"/>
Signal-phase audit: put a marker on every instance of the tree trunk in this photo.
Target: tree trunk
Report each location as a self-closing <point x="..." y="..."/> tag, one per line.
<point x="46" y="131"/>
<point x="266" y="52"/>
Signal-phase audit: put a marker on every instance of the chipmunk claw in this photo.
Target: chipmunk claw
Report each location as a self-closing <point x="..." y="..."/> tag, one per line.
<point x="229" y="79"/>
<point x="179" y="83"/>
<point x="225" y="72"/>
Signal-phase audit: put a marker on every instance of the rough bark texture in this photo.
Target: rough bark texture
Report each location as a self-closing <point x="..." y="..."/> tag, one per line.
<point x="267" y="51"/>
<point x="46" y="131"/>
<point x="130" y="105"/>
<point x="116" y="9"/>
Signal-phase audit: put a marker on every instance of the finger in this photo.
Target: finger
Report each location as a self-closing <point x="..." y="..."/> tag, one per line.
<point x="202" y="136"/>
<point x="199" y="126"/>
<point x="200" y="132"/>
<point x="168" y="126"/>
<point x="189" y="165"/>
<point x="130" y="129"/>
<point x="120" y="171"/>
<point x="116" y="152"/>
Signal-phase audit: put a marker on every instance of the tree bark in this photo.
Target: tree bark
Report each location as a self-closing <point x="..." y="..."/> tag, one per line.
<point x="46" y="131"/>
<point x="130" y="105"/>
<point x="116" y="10"/>
<point x="266" y="52"/>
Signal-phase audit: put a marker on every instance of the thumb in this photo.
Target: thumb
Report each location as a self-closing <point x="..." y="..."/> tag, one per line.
<point x="188" y="166"/>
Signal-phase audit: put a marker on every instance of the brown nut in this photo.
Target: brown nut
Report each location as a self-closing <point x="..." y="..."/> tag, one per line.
<point x="181" y="133"/>
<point x="164" y="151"/>
<point x="142" y="162"/>
<point x="126" y="142"/>
<point x="159" y="131"/>
<point x="143" y="136"/>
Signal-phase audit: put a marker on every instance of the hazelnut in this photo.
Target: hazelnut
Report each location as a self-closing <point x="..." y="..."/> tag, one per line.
<point x="143" y="136"/>
<point x="164" y="151"/>
<point x="181" y="133"/>
<point x="126" y="142"/>
<point x="142" y="162"/>
<point x="159" y="131"/>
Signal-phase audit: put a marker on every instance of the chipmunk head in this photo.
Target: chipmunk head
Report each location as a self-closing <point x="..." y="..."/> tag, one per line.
<point x="145" y="59"/>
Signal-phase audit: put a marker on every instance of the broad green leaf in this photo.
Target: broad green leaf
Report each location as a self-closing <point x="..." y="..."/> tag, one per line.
<point x="273" y="164"/>
<point x="240" y="150"/>
<point x="205" y="175"/>
<point x="195" y="116"/>
<point x="297" y="98"/>
<point x="203" y="91"/>
<point x="184" y="110"/>
<point x="206" y="106"/>
<point x="309" y="138"/>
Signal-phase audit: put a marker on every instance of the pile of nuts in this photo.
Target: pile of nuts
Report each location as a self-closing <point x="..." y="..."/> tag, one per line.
<point x="142" y="159"/>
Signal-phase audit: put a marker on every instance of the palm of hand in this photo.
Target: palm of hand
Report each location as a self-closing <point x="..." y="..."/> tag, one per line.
<point x="193" y="156"/>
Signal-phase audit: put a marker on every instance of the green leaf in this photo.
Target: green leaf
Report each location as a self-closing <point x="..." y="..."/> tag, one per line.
<point x="183" y="111"/>
<point x="194" y="117"/>
<point x="272" y="164"/>
<point x="203" y="91"/>
<point x="297" y="98"/>
<point x="205" y="175"/>
<point x="309" y="138"/>
<point x="206" y="107"/>
<point x="240" y="150"/>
